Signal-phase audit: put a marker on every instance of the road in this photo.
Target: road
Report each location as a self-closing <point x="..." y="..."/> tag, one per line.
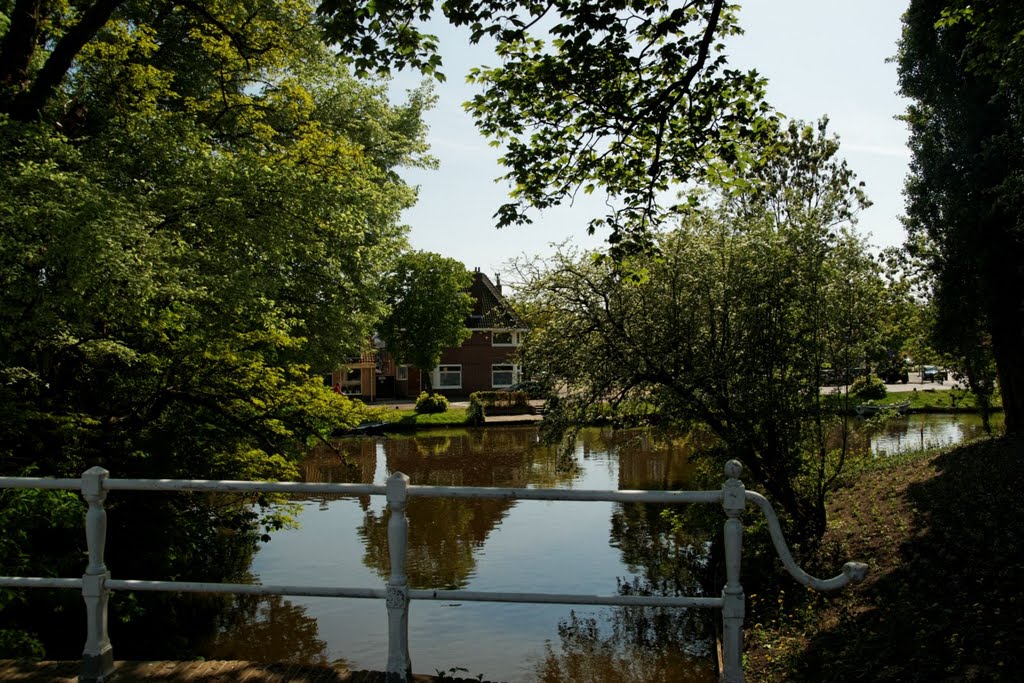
<point x="915" y="384"/>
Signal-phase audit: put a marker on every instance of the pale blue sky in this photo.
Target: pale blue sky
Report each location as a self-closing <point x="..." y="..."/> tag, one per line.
<point x="820" y="57"/>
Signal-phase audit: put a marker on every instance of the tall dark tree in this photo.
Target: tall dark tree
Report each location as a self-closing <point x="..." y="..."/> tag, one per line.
<point x="962" y="64"/>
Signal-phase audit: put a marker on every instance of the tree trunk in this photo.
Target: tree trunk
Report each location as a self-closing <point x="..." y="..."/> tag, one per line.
<point x="18" y="48"/>
<point x="1008" y="348"/>
<point x="1005" y="275"/>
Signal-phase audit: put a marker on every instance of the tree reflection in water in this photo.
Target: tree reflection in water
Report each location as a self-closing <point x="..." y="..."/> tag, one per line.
<point x="643" y="644"/>
<point x="606" y="650"/>
<point x="624" y="645"/>
<point x="266" y="628"/>
<point x="445" y="534"/>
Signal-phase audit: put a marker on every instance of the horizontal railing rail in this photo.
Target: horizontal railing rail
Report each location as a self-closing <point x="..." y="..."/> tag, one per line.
<point x="97" y="583"/>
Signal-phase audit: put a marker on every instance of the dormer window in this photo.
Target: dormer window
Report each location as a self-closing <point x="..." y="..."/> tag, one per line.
<point x="505" y="338"/>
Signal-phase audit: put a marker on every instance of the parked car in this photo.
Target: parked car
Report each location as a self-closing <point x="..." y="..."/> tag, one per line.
<point x="893" y="371"/>
<point x="932" y="373"/>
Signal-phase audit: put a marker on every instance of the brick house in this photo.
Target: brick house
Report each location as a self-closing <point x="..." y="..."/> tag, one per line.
<point x="484" y="362"/>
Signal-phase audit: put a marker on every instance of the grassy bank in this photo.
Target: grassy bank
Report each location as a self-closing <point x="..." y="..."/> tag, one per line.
<point x="942" y="535"/>
<point x="928" y="399"/>
<point x="938" y="400"/>
<point x="453" y="417"/>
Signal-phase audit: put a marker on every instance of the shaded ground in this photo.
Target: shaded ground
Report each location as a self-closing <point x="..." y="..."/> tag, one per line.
<point x="943" y="537"/>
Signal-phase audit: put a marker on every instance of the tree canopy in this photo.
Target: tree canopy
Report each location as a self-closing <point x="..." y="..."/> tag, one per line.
<point x="962" y="65"/>
<point x="730" y="326"/>
<point x="630" y="98"/>
<point x="429" y="302"/>
<point x="194" y="224"/>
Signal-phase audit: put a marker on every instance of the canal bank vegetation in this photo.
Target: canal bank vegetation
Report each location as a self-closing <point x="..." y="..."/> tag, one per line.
<point x="939" y="531"/>
<point x="411" y="419"/>
<point x="952" y="399"/>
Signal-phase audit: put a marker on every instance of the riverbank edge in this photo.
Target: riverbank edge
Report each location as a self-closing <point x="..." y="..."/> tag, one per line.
<point x="937" y="530"/>
<point x="383" y="428"/>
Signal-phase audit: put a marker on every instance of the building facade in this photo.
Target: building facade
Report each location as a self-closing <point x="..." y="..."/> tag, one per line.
<point x="484" y="362"/>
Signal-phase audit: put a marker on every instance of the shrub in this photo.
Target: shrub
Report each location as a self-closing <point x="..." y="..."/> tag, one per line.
<point x="476" y="411"/>
<point x="431" y="403"/>
<point x="868" y="387"/>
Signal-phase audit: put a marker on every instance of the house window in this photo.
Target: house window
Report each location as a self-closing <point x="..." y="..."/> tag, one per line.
<point x="505" y="338"/>
<point x="503" y="375"/>
<point x="353" y="382"/>
<point x="449" y="377"/>
<point x="402" y="373"/>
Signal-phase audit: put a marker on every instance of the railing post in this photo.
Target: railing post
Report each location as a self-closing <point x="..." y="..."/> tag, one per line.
<point x="98" y="656"/>
<point x="399" y="664"/>
<point x="733" y="601"/>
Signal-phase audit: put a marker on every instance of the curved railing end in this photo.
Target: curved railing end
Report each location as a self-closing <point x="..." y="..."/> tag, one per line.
<point x="857" y="571"/>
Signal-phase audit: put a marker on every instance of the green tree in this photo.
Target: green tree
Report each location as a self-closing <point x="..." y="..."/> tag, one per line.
<point x="429" y="301"/>
<point x="729" y="326"/>
<point x="193" y="225"/>
<point x="627" y="98"/>
<point x="962" y="65"/>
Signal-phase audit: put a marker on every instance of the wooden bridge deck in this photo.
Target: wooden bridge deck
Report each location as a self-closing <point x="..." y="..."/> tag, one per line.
<point x="206" y="672"/>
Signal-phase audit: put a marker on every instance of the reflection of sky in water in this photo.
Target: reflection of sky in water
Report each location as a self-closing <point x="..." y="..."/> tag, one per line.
<point x="919" y="431"/>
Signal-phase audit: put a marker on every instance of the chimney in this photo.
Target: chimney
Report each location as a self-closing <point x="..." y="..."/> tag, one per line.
<point x="497" y="282"/>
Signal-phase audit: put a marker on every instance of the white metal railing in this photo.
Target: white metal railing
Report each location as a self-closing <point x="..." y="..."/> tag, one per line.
<point x="96" y="583"/>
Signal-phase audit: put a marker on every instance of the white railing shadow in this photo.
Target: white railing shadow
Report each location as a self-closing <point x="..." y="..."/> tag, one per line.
<point x="96" y="584"/>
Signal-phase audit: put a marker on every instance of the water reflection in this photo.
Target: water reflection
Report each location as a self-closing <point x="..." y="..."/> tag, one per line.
<point x="921" y="431"/>
<point x="498" y="545"/>
<point x="267" y="628"/>
<point x="634" y="645"/>
<point x="444" y="536"/>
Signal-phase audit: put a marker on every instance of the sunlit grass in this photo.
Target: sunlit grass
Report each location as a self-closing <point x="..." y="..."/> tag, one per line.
<point x="453" y="417"/>
<point x="927" y="398"/>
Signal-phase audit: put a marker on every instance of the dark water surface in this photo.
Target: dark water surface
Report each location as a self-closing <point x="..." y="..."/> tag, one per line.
<point x="500" y="545"/>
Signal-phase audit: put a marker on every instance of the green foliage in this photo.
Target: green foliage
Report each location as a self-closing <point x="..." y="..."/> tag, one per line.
<point x="477" y="411"/>
<point x="429" y="303"/>
<point x="629" y="99"/>
<point x="728" y="326"/>
<point x="194" y="217"/>
<point x="962" y="66"/>
<point x="410" y="419"/>
<point x="663" y="82"/>
<point x="431" y="403"/>
<point x="868" y="387"/>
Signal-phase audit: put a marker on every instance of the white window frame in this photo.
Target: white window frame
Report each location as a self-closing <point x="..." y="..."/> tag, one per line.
<point x="516" y="338"/>
<point x="513" y="372"/>
<point x="402" y="373"/>
<point x="448" y="368"/>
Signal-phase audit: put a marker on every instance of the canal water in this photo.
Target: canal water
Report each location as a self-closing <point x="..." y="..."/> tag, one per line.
<point x="500" y="545"/>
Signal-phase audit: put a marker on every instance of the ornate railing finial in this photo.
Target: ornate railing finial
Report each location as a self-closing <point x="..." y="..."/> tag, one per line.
<point x="733" y="469"/>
